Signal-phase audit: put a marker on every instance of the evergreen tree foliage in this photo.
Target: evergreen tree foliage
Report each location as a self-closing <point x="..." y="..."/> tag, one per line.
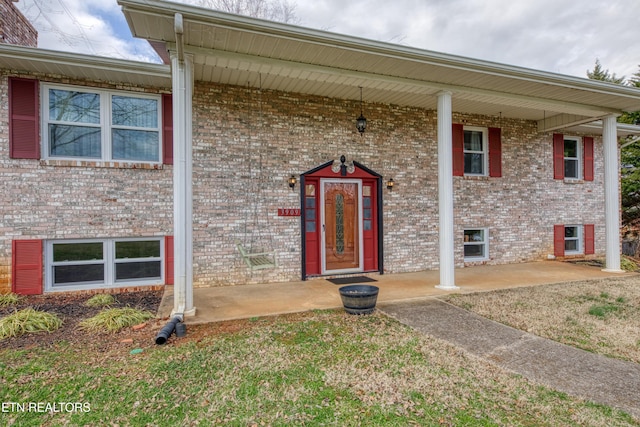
<point x="630" y="152"/>
<point x="599" y="73"/>
<point x="630" y="184"/>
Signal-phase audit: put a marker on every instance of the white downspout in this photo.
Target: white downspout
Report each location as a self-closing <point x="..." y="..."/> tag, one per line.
<point x="182" y="84"/>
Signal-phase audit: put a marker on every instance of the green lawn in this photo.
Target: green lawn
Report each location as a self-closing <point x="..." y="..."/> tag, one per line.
<point x="319" y="368"/>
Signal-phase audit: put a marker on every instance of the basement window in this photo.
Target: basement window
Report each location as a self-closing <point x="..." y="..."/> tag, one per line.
<point x="572" y="239"/>
<point x="87" y="264"/>
<point x="476" y="244"/>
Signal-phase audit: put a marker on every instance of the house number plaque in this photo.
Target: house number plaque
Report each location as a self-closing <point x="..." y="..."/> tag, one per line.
<point x="288" y="212"/>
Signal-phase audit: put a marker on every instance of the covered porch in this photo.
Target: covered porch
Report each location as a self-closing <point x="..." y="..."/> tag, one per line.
<point x="217" y="304"/>
<point x="205" y="48"/>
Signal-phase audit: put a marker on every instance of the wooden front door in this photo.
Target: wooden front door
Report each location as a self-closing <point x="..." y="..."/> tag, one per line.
<point x="342" y="237"/>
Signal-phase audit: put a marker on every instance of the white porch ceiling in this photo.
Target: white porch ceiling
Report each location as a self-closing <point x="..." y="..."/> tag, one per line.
<point x="237" y="50"/>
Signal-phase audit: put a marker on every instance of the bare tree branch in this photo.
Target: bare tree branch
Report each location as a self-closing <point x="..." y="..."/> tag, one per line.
<point x="272" y="10"/>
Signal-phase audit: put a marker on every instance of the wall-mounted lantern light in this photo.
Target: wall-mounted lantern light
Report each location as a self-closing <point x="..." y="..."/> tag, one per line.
<point x="292" y="182"/>
<point x="390" y="184"/>
<point x="361" y="122"/>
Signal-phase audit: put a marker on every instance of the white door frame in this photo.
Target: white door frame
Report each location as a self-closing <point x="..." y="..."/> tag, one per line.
<point x="360" y="227"/>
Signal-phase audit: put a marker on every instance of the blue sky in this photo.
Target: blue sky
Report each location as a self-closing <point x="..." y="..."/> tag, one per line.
<point x="562" y="36"/>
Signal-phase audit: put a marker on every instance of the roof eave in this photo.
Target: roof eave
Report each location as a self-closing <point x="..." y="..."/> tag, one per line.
<point x="624" y="130"/>
<point x="228" y="20"/>
<point x="35" y="60"/>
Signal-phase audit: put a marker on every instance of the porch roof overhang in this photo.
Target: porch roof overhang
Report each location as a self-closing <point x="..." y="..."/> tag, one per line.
<point x="237" y="50"/>
<point x="80" y="66"/>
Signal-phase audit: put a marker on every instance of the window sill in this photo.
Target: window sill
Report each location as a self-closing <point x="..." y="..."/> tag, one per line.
<point x="573" y="181"/>
<point x="477" y="263"/>
<point x="476" y="177"/>
<point x="102" y="288"/>
<point x="479" y="259"/>
<point x="101" y="164"/>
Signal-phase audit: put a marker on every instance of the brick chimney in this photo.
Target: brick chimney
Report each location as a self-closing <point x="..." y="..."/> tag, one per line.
<point x="14" y="27"/>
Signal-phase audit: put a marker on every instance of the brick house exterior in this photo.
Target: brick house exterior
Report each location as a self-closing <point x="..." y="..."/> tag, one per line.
<point x="518" y="208"/>
<point x="14" y="27"/>
<point x="248" y="139"/>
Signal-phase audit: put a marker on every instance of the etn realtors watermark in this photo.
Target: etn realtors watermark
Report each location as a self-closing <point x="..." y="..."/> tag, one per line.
<point x="45" y="407"/>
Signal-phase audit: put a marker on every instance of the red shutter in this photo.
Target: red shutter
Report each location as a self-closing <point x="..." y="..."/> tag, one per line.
<point x="312" y="228"/>
<point x="495" y="152"/>
<point x="369" y="234"/>
<point x="558" y="156"/>
<point x="167" y="129"/>
<point x="24" y="141"/>
<point x="457" y="137"/>
<point x="588" y="158"/>
<point x="26" y="267"/>
<point x="589" y="239"/>
<point x="168" y="260"/>
<point x="558" y="240"/>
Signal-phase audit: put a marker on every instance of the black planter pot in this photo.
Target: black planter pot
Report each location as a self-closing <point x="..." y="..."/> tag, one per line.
<point x="359" y="299"/>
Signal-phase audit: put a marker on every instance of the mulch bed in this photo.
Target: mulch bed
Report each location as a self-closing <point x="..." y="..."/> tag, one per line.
<point x="71" y="309"/>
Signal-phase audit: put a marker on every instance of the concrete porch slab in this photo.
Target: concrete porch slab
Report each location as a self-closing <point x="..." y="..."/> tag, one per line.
<point x="214" y="304"/>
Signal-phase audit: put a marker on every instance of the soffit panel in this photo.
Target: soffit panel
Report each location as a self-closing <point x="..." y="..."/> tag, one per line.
<point x="403" y="92"/>
<point x="419" y="70"/>
<point x="295" y="51"/>
<point x="430" y="74"/>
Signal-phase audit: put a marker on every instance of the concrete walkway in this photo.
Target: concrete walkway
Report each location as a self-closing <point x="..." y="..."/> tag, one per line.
<point x="215" y="304"/>
<point x="576" y="372"/>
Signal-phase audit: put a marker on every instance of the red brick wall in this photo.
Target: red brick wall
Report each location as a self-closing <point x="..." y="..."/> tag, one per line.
<point x="60" y="199"/>
<point x="14" y="27"/>
<point x="247" y="143"/>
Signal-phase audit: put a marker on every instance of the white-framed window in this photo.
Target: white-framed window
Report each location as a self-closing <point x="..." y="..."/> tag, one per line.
<point x="91" y="124"/>
<point x="476" y="148"/>
<point x="572" y="157"/>
<point x="573" y="239"/>
<point x="83" y="264"/>
<point x="476" y="244"/>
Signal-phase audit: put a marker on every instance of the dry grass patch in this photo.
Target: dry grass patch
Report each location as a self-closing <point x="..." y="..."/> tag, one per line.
<point x="114" y="319"/>
<point x="602" y="316"/>
<point x="320" y="368"/>
<point x="100" y="300"/>
<point x="9" y="299"/>
<point x="27" y="321"/>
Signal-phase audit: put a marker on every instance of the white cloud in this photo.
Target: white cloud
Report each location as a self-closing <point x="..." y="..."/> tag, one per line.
<point x="563" y="36"/>
<point x="94" y="27"/>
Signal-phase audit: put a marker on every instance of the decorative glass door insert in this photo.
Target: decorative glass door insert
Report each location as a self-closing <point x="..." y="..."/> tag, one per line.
<point x="342" y="235"/>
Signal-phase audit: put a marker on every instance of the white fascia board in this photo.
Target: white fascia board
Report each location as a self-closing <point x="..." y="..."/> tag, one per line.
<point x="258" y="26"/>
<point x="37" y="56"/>
<point x="624" y="130"/>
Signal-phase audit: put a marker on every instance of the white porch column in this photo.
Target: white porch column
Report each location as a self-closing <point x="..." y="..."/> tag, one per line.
<point x="182" y="81"/>
<point x="611" y="194"/>
<point x="445" y="192"/>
